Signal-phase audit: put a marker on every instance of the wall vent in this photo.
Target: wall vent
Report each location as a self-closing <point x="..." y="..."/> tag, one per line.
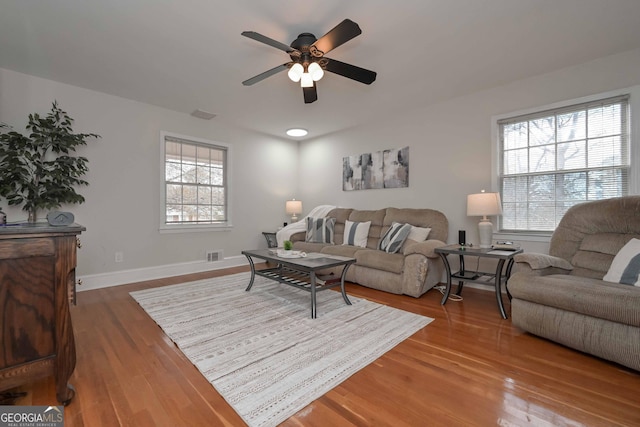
<point x="213" y="256"/>
<point x="201" y="114"/>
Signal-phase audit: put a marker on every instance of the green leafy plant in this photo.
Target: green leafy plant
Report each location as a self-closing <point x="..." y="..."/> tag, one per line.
<point x="288" y="245"/>
<point x="39" y="171"/>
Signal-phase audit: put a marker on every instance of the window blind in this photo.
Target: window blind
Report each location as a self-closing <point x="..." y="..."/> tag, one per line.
<point x="551" y="160"/>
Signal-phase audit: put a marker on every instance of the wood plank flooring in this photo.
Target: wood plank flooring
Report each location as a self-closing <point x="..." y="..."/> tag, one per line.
<point x="468" y="367"/>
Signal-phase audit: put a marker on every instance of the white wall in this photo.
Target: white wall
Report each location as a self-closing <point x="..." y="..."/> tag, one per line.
<point x="450" y="143"/>
<point x="121" y="212"/>
<point x="450" y="158"/>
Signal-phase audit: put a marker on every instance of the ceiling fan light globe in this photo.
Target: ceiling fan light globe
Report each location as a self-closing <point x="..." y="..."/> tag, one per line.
<point x="295" y="72"/>
<point x="316" y="71"/>
<point x="306" y="80"/>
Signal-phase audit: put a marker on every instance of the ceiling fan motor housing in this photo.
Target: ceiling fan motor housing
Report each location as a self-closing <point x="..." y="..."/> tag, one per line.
<point x="303" y="44"/>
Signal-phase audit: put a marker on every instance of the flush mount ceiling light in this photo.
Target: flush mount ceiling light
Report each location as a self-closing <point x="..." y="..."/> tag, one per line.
<point x="297" y="132"/>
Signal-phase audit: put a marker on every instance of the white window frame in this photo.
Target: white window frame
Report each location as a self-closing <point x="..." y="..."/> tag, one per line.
<point x="185" y="228"/>
<point x="634" y="149"/>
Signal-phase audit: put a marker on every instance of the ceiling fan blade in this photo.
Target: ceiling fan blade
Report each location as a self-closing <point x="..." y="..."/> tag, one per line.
<point x="310" y="94"/>
<point x="268" y="73"/>
<point x="351" y="71"/>
<point x="266" y="40"/>
<point x="340" y="34"/>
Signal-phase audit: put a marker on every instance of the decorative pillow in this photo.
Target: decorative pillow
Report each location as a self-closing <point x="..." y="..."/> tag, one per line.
<point x="625" y="267"/>
<point x="417" y="235"/>
<point x="356" y="233"/>
<point x="395" y="236"/>
<point x="320" y="230"/>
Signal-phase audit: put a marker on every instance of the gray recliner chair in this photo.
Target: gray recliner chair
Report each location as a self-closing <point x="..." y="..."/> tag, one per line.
<point x="563" y="297"/>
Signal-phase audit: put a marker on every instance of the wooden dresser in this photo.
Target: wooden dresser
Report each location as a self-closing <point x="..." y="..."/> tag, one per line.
<point x="37" y="282"/>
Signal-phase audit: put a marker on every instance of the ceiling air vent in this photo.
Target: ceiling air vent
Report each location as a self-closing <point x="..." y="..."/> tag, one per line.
<point x="201" y="114"/>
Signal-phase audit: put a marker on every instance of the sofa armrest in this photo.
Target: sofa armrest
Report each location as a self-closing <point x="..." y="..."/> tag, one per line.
<point x="425" y="248"/>
<point x="541" y="264"/>
<point x="300" y="236"/>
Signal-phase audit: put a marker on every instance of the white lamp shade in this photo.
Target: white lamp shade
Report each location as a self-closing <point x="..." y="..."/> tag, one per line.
<point x="484" y="204"/>
<point x="293" y="207"/>
<point x="306" y="80"/>
<point x="316" y="71"/>
<point x="295" y="72"/>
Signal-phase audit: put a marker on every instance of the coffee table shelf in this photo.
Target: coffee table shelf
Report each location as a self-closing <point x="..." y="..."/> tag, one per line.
<point x="297" y="279"/>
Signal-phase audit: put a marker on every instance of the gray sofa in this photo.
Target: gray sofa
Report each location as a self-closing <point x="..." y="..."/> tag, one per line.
<point x="562" y="297"/>
<point x="412" y="271"/>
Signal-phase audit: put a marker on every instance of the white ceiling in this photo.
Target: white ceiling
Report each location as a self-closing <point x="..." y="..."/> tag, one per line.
<point x="189" y="54"/>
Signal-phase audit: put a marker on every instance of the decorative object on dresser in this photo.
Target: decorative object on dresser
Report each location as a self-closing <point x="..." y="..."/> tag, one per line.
<point x="484" y="204"/>
<point x="37" y="282"/>
<point x="39" y="171"/>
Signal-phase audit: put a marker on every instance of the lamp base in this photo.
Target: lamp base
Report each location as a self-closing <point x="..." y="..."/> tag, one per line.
<point x="485" y="231"/>
<point x="294" y="218"/>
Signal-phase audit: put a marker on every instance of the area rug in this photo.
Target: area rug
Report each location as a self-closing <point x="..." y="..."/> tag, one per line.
<point x="262" y="351"/>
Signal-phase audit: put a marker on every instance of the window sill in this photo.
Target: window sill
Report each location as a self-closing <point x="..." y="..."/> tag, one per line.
<point x="194" y="228"/>
<point x="522" y="236"/>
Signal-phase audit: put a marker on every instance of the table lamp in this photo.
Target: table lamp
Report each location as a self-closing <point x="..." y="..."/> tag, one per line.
<point x="293" y="208"/>
<point x="484" y="204"/>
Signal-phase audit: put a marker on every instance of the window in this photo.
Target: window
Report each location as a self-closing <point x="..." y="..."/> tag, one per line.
<point x="195" y="184"/>
<point x="552" y="160"/>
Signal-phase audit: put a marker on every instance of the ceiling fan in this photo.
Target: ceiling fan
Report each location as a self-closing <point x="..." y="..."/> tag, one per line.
<point x="308" y="62"/>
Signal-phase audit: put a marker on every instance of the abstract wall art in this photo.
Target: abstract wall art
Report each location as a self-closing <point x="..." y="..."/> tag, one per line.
<point x="382" y="169"/>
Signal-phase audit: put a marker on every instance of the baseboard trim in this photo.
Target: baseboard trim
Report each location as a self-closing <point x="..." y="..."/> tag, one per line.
<point x="123" y="277"/>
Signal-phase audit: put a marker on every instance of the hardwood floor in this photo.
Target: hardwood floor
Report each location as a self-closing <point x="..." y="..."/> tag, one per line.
<point x="468" y="367"/>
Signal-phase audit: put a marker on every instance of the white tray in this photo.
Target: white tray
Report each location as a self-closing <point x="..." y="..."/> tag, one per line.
<point x="296" y="255"/>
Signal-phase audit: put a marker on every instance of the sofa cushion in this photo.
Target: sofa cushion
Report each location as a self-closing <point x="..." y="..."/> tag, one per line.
<point x="309" y="247"/>
<point x="375" y="230"/>
<point x="596" y="252"/>
<point x="380" y="260"/>
<point x="341" y="250"/>
<point x="591" y="297"/>
<point x="394" y="238"/>
<point x="320" y="230"/>
<point x="588" y="231"/>
<point x="426" y="218"/>
<point x="625" y="267"/>
<point x="356" y="233"/>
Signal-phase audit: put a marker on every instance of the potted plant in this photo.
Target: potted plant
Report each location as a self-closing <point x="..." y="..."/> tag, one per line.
<point x="287" y="245"/>
<point x="39" y="171"/>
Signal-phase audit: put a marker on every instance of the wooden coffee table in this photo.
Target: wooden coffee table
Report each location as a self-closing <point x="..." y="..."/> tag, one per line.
<point x="301" y="272"/>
